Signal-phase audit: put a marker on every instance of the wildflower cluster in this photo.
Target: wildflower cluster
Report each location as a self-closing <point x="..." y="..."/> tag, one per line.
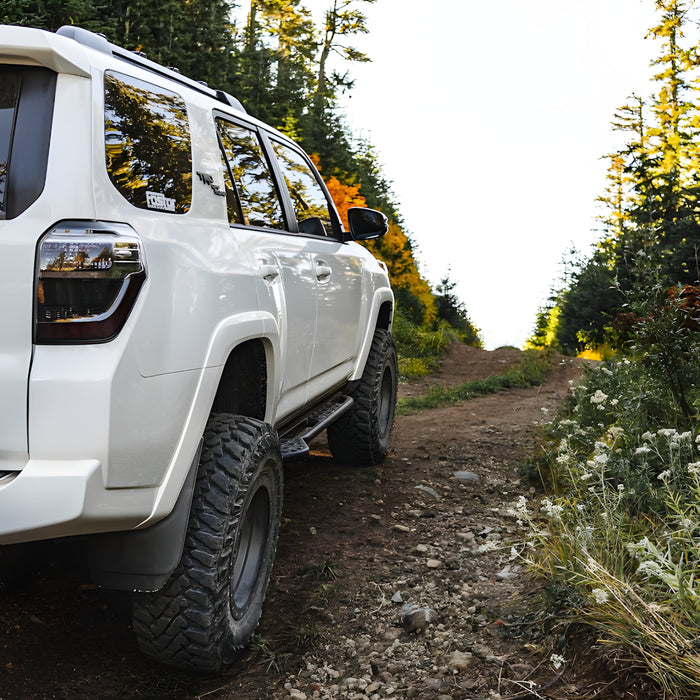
<point x="621" y="524"/>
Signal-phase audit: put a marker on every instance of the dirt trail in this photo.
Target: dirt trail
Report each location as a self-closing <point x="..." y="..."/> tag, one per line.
<point x="390" y="582"/>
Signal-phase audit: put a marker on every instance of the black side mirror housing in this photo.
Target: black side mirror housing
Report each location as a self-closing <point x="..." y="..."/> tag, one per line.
<point x="366" y="224"/>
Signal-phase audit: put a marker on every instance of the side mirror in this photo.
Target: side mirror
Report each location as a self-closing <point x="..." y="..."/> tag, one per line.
<point x="366" y="224"/>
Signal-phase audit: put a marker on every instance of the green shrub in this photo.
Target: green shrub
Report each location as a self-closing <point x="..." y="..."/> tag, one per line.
<point x="621" y="524"/>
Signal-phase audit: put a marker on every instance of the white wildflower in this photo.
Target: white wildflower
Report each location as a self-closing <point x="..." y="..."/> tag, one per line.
<point x="606" y="371"/>
<point x="649" y="568"/>
<point x="520" y="510"/>
<point x="563" y="459"/>
<point x="664" y="475"/>
<point x="643" y="450"/>
<point x="614" y="431"/>
<point x="601" y="460"/>
<point x="557" y="661"/>
<point x="599" y="397"/>
<point x="686" y="436"/>
<point x="621" y="488"/>
<point x="585" y="476"/>
<point x="647" y="436"/>
<point x="601" y="596"/>
<point x="614" y="402"/>
<point x="600" y="447"/>
<point x="551" y="509"/>
<point x="694" y="468"/>
<point x="544" y="410"/>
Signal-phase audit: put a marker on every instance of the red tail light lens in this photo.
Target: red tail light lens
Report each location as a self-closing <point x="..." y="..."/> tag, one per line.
<point x="88" y="278"/>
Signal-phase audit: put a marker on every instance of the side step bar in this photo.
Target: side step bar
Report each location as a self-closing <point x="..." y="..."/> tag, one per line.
<point x="295" y="448"/>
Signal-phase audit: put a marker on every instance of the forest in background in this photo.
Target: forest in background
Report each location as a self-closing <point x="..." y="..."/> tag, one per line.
<point x="290" y="73"/>
<point x="649" y="210"/>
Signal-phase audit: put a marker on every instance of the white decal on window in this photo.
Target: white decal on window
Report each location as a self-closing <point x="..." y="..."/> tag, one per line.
<point x="157" y="200"/>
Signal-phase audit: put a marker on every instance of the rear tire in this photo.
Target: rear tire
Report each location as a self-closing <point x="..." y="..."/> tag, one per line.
<point x="209" y="608"/>
<point x="362" y="436"/>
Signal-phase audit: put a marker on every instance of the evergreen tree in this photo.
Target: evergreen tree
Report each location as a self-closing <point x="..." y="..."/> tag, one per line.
<point x="52" y="14"/>
<point x="450" y="308"/>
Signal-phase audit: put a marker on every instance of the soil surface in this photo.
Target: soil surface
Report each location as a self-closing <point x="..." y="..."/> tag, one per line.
<point x="397" y="581"/>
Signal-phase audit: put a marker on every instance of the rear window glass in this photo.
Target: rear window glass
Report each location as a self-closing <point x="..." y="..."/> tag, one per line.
<point x="9" y="92"/>
<point x="26" y="112"/>
<point x="147" y="143"/>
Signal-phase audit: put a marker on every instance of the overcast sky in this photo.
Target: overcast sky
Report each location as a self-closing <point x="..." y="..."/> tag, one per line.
<point x="490" y="118"/>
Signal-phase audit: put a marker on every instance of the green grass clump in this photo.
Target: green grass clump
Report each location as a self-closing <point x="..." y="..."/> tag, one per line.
<point x="531" y="370"/>
<point x="420" y="348"/>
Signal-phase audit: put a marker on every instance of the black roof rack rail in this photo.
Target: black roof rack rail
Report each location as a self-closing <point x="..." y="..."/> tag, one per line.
<point x="100" y="43"/>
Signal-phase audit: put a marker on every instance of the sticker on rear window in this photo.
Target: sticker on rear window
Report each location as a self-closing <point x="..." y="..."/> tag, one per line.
<point x="157" y="200"/>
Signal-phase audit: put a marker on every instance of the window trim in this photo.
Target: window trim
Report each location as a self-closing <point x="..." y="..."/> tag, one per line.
<point x="282" y="195"/>
<point x="337" y="233"/>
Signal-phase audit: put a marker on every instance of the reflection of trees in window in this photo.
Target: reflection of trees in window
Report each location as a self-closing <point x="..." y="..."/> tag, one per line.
<point x="307" y="196"/>
<point x="9" y="92"/>
<point x="147" y="142"/>
<point x="253" y="182"/>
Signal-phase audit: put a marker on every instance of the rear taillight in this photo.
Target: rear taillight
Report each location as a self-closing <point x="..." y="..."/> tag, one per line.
<point x="88" y="277"/>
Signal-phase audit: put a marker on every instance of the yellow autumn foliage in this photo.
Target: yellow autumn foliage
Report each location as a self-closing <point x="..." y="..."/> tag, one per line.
<point x="394" y="248"/>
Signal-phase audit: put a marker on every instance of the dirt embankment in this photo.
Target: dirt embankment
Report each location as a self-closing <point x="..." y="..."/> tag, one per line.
<point x="397" y="581"/>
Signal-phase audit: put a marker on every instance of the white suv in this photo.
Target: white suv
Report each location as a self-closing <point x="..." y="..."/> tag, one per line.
<point x="182" y="311"/>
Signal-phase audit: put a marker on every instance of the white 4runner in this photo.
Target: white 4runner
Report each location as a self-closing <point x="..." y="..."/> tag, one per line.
<point x="182" y="311"/>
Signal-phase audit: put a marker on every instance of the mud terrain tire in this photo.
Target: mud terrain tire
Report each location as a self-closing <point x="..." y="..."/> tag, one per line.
<point x="362" y="435"/>
<point x="209" y="608"/>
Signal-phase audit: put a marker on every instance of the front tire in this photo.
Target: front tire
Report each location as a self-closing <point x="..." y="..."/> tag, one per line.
<point x="209" y="608"/>
<point x="362" y="436"/>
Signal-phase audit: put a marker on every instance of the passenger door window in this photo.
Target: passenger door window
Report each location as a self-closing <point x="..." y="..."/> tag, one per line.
<point x="307" y="195"/>
<point x="251" y="194"/>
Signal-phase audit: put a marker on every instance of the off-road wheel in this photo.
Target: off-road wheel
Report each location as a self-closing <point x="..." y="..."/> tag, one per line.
<point x="362" y="435"/>
<point x="209" y="608"/>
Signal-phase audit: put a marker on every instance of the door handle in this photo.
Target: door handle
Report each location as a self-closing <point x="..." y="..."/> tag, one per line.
<point x="269" y="272"/>
<point x="323" y="271"/>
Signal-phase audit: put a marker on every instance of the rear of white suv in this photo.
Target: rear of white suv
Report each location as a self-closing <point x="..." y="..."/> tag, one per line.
<point x="179" y="296"/>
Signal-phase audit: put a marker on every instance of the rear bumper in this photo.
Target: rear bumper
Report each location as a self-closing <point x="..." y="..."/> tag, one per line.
<point x="52" y="498"/>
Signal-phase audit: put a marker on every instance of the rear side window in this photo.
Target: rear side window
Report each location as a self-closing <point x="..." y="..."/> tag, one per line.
<point x="26" y="112"/>
<point x="251" y="195"/>
<point x="147" y="143"/>
<point x="9" y="94"/>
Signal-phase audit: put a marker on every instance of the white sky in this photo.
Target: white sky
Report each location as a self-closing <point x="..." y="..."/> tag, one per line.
<point x="490" y="118"/>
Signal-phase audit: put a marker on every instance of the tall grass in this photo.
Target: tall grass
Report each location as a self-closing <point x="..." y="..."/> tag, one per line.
<point x="619" y="530"/>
